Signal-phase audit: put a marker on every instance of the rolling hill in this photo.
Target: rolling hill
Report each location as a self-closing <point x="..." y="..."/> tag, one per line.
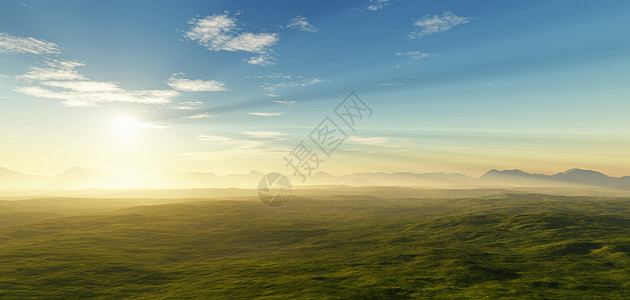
<point x="502" y="246"/>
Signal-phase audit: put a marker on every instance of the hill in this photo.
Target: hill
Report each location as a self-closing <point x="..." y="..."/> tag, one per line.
<point x="501" y="246"/>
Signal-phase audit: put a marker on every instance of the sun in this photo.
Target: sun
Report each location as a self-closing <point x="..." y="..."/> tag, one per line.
<point x="126" y="127"/>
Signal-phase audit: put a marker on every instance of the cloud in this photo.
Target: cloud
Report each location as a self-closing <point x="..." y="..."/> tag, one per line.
<point x="213" y="138"/>
<point x="54" y="70"/>
<point x="220" y="32"/>
<point x="414" y="55"/>
<point x="284" y="102"/>
<point x="189" y="105"/>
<point x="431" y="24"/>
<point x="274" y="95"/>
<point x="391" y="84"/>
<point x="228" y="141"/>
<point x="148" y="125"/>
<point x="73" y="98"/>
<point x="271" y="76"/>
<point x="195" y="85"/>
<point x="261" y="60"/>
<point x="376" y="141"/>
<point x="85" y="86"/>
<point x="266" y="114"/>
<point x="285" y="84"/>
<point x="262" y="145"/>
<point x="301" y="23"/>
<point x="26" y="45"/>
<point x="281" y="80"/>
<point x="275" y="135"/>
<point x="377" y="4"/>
<point x="200" y="116"/>
<point x="78" y="91"/>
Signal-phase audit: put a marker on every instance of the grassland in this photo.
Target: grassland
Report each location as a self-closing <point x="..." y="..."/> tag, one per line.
<point x="523" y="246"/>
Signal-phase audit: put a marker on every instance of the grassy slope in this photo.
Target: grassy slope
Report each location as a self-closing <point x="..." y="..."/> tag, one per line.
<point x="525" y="246"/>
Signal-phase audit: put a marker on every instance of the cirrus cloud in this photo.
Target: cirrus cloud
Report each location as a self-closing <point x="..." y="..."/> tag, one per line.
<point x="220" y="32"/>
<point x="431" y="24"/>
<point x="287" y="102"/>
<point x="266" y="114"/>
<point x="377" y="4"/>
<point x="26" y="45"/>
<point x="59" y="80"/>
<point x="200" y="116"/>
<point x="301" y="23"/>
<point x="179" y="83"/>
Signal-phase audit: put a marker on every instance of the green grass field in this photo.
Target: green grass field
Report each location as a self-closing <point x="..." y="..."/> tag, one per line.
<point x="523" y="246"/>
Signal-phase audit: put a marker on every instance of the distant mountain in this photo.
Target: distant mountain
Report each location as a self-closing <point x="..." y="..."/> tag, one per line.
<point x="572" y="177"/>
<point x="515" y="172"/>
<point x="203" y="180"/>
<point x="72" y="178"/>
<point x="14" y="179"/>
<point x="585" y="177"/>
<point x="77" y="177"/>
<point x="393" y="179"/>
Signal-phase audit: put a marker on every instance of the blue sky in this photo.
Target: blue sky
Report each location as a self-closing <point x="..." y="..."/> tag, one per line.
<point x="231" y="86"/>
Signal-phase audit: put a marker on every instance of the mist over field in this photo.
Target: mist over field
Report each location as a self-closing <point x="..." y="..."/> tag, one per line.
<point x="361" y="149"/>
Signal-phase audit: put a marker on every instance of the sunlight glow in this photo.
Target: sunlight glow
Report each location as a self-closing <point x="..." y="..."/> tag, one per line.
<point x="126" y="127"/>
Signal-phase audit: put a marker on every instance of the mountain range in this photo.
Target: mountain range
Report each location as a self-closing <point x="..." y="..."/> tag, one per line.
<point x="77" y="178"/>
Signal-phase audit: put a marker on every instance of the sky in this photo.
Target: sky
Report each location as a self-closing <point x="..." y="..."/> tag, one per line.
<point x="141" y="87"/>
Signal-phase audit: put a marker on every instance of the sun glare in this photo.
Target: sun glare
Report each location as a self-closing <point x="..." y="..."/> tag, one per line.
<point x="126" y="127"/>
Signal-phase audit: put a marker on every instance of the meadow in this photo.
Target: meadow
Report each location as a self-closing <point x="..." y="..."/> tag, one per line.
<point x="507" y="245"/>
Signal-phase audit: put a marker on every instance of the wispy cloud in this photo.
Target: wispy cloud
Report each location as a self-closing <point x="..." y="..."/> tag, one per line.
<point x="152" y="125"/>
<point x="271" y="86"/>
<point x="376" y="141"/>
<point x="266" y="114"/>
<point x="271" y="76"/>
<point x="54" y="70"/>
<point x="431" y="24"/>
<point x="377" y="4"/>
<point x="414" y="55"/>
<point x="26" y="45"/>
<point x="301" y="23"/>
<point x="188" y="105"/>
<point x="391" y="84"/>
<point x="75" y="90"/>
<point x="200" y="116"/>
<point x="612" y="62"/>
<point x="274" y="95"/>
<point x="229" y="147"/>
<point x="85" y="86"/>
<point x="220" y="32"/>
<point x="261" y="60"/>
<point x="213" y="138"/>
<point x="287" y="102"/>
<point x="147" y="125"/>
<point x="281" y="80"/>
<point x="274" y="135"/>
<point x="178" y="82"/>
<point x="232" y="143"/>
<point x="92" y="99"/>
